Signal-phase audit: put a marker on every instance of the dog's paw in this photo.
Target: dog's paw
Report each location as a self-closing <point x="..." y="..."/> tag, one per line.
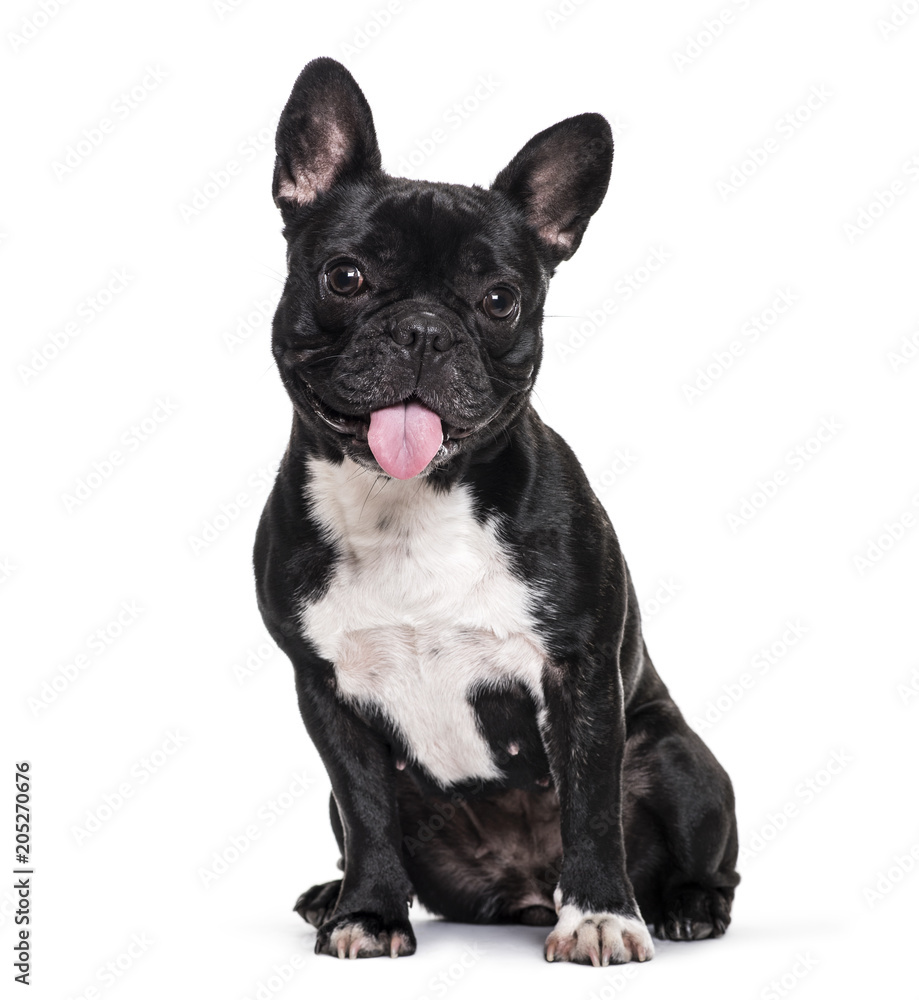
<point x="316" y="904"/>
<point x="365" y="935"/>
<point x="692" y="913"/>
<point x="598" y="938"/>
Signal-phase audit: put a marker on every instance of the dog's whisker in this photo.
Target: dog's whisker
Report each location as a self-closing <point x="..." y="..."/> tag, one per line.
<point x="270" y="272"/>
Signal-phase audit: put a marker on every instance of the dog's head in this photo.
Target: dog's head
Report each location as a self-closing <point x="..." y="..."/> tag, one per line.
<point x="409" y="330"/>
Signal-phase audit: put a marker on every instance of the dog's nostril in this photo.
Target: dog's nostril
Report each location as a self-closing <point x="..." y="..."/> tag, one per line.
<point x="420" y="330"/>
<point x="403" y="336"/>
<point x="442" y="340"/>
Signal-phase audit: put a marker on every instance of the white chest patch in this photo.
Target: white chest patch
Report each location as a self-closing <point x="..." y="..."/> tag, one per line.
<point x="422" y="607"/>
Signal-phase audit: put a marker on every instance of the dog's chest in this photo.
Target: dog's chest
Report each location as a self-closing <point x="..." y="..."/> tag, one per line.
<point x="421" y="609"/>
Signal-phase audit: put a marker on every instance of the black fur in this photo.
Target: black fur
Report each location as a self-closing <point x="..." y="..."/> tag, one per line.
<point x="617" y="802"/>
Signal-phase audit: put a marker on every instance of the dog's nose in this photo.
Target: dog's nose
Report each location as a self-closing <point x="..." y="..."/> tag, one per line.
<point x="420" y="330"/>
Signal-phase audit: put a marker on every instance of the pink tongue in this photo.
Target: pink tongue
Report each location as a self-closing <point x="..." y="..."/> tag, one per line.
<point x="404" y="438"/>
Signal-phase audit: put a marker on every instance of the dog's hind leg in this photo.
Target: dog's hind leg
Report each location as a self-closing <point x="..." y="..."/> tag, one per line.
<point x="680" y="829"/>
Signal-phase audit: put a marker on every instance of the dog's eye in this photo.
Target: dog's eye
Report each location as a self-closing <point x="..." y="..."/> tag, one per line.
<point x="500" y="303"/>
<point x="344" y="279"/>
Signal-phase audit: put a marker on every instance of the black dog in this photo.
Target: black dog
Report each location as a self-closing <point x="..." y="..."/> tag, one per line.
<point x="464" y="632"/>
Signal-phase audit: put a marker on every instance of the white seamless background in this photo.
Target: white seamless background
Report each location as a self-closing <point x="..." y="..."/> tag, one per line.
<point x="733" y="354"/>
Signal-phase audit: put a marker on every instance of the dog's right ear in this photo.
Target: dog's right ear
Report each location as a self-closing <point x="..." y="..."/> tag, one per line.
<point x="325" y="135"/>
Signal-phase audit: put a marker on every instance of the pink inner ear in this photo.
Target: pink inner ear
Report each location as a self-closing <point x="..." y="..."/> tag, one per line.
<point x="302" y="190"/>
<point x="321" y="165"/>
<point x="545" y="185"/>
<point x="555" y="235"/>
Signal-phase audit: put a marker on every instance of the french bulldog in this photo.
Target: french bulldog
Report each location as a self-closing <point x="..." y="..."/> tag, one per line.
<point x="464" y="633"/>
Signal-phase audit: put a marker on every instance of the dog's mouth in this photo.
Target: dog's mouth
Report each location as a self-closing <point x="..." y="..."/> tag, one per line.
<point x="404" y="438"/>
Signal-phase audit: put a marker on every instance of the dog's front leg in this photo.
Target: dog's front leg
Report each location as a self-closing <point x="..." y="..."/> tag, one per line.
<point x="584" y="734"/>
<point x="370" y="917"/>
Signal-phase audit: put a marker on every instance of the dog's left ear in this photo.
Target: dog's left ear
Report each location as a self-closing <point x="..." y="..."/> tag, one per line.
<point x="325" y="135"/>
<point x="559" y="179"/>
